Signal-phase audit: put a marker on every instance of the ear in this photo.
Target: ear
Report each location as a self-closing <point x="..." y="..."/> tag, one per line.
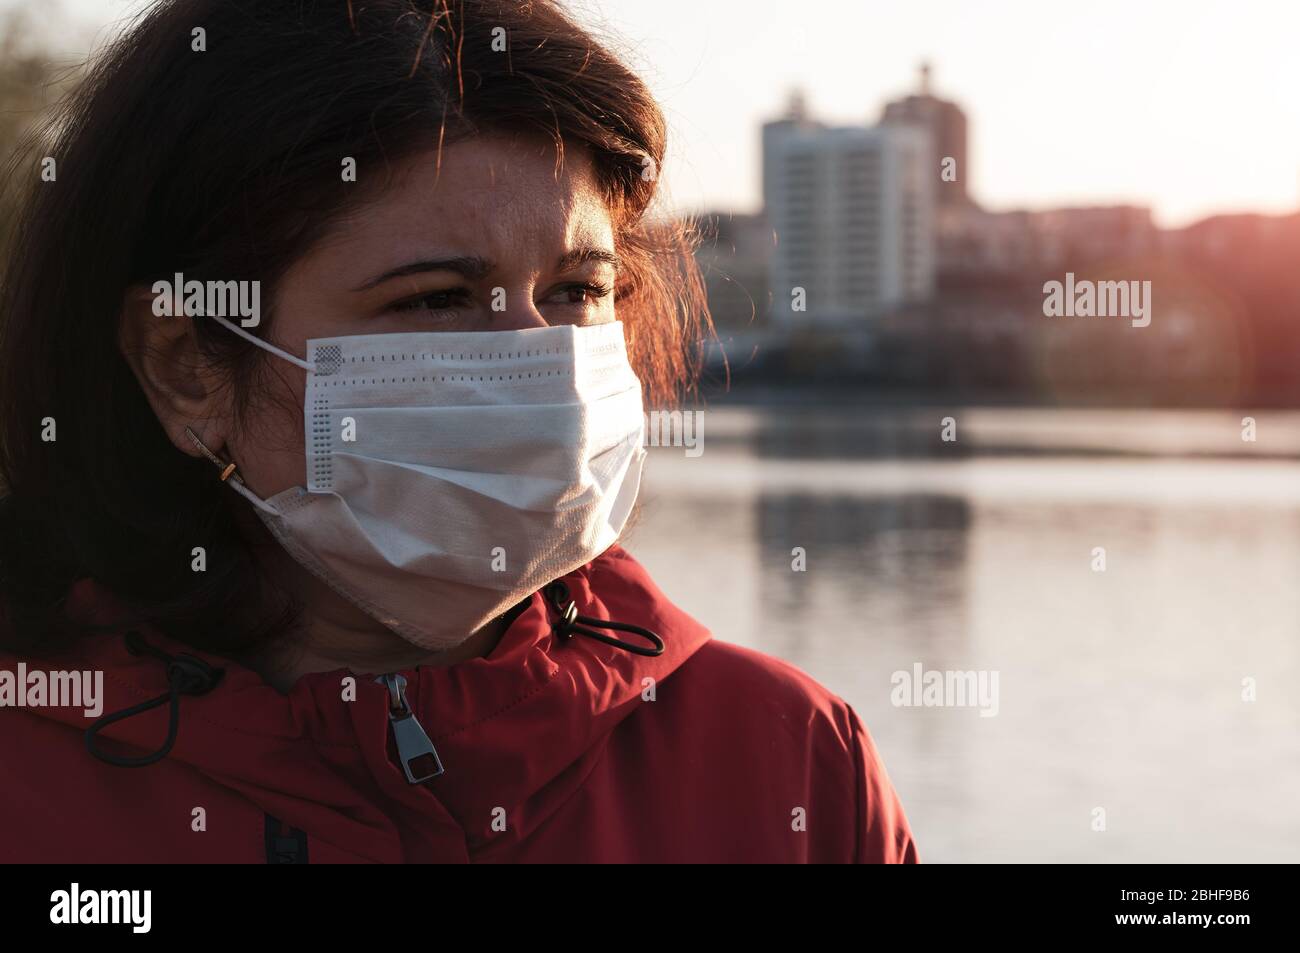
<point x="181" y="386"/>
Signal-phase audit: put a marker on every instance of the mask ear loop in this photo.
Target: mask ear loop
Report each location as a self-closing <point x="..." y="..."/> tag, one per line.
<point x="227" y="468"/>
<point x="228" y="474"/>
<point x="253" y="338"/>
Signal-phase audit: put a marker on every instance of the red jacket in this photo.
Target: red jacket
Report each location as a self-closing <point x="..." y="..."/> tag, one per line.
<point x="554" y="750"/>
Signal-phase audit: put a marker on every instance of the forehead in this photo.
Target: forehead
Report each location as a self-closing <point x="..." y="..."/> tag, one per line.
<point x="494" y="196"/>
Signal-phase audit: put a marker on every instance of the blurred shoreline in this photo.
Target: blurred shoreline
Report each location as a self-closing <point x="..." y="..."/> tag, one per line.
<point x="828" y="424"/>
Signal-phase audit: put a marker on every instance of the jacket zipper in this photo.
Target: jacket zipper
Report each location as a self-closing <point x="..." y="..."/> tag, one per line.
<point x="420" y="762"/>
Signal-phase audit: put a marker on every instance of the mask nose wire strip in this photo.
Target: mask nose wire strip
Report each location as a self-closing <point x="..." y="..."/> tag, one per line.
<point x="280" y="352"/>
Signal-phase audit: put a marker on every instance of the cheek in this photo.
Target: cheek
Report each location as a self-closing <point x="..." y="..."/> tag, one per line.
<point x="269" y="447"/>
<point x="607" y="312"/>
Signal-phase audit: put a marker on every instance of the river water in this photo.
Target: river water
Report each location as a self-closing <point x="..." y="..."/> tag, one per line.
<point x="1122" y="689"/>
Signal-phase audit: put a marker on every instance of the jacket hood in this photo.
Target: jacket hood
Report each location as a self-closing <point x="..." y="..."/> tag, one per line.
<point x="517" y="730"/>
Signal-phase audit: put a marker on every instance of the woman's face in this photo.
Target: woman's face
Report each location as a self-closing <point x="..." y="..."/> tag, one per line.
<point x="497" y="238"/>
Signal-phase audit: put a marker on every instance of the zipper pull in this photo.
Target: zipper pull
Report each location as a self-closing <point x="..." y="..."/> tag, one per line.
<point x="420" y="761"/>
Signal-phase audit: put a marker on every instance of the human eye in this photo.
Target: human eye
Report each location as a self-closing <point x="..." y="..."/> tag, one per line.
<point x="440" y="303"/>
<point x="581" y="292"/>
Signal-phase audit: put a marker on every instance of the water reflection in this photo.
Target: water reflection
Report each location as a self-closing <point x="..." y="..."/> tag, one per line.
<point x="1119" y="689"/>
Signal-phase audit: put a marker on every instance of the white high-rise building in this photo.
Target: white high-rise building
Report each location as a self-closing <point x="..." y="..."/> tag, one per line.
<point x="853" y="209"/>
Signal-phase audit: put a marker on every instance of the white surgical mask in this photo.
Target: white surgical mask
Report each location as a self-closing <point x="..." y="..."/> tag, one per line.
<point x="452" y="474"/>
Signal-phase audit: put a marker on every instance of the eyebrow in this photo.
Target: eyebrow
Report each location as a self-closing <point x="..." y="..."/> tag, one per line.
<point x="580" y="256"/>
<point x="468" y="266"/>
<point x="475" y="268"/>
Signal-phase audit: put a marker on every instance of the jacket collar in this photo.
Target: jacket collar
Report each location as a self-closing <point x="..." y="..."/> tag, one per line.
<point x="506" y="726"/>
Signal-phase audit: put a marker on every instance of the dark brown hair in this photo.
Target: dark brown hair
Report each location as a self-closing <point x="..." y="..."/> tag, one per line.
<point x="225" y="164"/>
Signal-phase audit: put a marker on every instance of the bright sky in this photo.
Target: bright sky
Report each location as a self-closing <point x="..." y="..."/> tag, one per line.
<point x="1189" y="106"/>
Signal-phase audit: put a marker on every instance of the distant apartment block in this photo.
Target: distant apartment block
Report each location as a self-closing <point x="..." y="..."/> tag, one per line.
<point x="975" y="241"/>
<point x="852" y="211"/>
<point x="946" y="123"/>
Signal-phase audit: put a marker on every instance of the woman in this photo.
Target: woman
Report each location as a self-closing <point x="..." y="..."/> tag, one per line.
<point x="326" y="333"/>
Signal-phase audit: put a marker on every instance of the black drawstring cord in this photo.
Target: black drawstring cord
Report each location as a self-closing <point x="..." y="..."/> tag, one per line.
<point x="571" y="623"/>
<point x="186" y="675"/>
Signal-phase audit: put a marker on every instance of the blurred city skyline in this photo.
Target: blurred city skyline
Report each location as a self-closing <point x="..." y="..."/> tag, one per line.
<point x="1153" y="105"/>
